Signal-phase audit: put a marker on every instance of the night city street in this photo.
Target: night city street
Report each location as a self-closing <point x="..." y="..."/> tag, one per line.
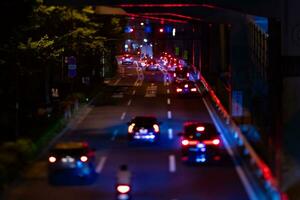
<point x="148" y="100"/>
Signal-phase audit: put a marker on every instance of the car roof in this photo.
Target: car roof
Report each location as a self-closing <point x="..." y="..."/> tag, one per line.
<point x="143" y="118"/>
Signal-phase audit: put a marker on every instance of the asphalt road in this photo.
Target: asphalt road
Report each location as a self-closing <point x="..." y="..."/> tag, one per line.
<point x="158" y="173"/>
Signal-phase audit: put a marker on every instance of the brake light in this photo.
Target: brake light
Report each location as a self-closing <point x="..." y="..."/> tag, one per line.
<point x="130" y="128"/>
<point x="131" y="57"/>
<point x="123" y="58"/>
<point x="184" y="142"/>
<point x="216" y="141"/>
<point x="156" y="128"/>
<point x="52" y="159"/>
<point x="193" y="89"/>
<point x="200" y="128"/>
<point x="186" y="85"/>
<point x="83" y="158"/>
<point x="123" y="189"/>
<point x="178" y="90"/>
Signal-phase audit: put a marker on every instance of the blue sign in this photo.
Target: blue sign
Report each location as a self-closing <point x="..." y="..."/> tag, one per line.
<point x="72" y="66"/>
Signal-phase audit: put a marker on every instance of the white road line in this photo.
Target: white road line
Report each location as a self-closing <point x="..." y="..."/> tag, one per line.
<point x="133" y="92"/>
<point x="114" y="134"/>
<point x="170" y="133"/>
<point x="123" y="115"/>
<point x="100" y="165"/>
<point x="117" y="81"/>
<point x="169" y="115"/>
<point x="168" y="101"/>
<point x="172" y="163"/>
<point x="129" y="103"/>
<point x="250" y="191"/>
<point x="168" y="91"/>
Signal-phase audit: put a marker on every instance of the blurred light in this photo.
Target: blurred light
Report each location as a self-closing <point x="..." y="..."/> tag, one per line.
<point x="131" y="30"/>
<point x="178" y="90"/>
<point x="52" y="159"/>
<point x="174" y="31"/>
<point x="145" y="40"/>
<point x="142" y="23"/>
<point x="200" y="128"/>
<point x="130" y="128"/>
<point x="151" y="45"/>
<point x="161" y="30"/>
<point x="156" y="128"/>
<point x="123" y="188"/>
<point x="216" y="141"/>
<point x="188" y="74"/>
<point x="186" y="85"/>
<point x="141" y="46"/>
<point x="148" y="29"/>
<point x="83" y="158"/>
<point x="87" y="99"/>
<point x="126" y="46"/>
<point x="193" y="89"/>
<point x="184" y="142"/>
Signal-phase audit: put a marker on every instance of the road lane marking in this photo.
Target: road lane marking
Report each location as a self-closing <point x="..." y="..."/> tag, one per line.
<point x="129" y="103"/>
<point x="114" y="134"/>
<point x="100" y="165"/>
<point x="168" y="101"/>
<point x="133" y="92"/>
<point x="249" y="190"/>
<point x="169" y="115"/>
<point x="117" y="81"/>
<point x="123" y="115"/>
<point x="170" y="133"/>
<point x="168" y="91"/>
<point x="172" y="163"/>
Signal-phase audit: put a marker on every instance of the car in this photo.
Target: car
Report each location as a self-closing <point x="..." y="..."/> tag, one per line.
<point x="151" y="65"/>
<point x="185" y="88"/>
<point x="74" y="160"/>
<point x="181" y="73"/>
<point x="144" y="128"/>
<point x="127" y="59"/>
<point x="200" y="142"/>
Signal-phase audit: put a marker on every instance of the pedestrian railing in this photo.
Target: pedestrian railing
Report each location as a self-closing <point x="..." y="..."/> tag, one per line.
<point x="257" y="171"/>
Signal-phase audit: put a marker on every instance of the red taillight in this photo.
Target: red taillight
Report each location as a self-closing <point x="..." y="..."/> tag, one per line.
<point x="83" y="158"/>
<point x="184" y="142"/>
<point x="123" y="58"/>
<point x="123" y="189"/>
<point x="178" y="90"/>
<point x="52" y="159"/>
<point x="212" y="142"/>
<point x="156" y="128"/>
<point x="216" y="141"/>
<point x="131" y="57"/>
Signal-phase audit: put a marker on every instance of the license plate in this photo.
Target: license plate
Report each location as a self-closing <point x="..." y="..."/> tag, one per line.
<point x="143" y="131"/>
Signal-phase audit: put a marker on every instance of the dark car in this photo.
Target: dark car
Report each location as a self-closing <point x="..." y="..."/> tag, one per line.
<point x="181" y="73"/>
<point x="71" y="161"/>
<point x="144" y="128"/>
<point x="127" y="59"/>
<point x="185" y="87"/>
<point x="151" y="65"/>
<point x="200" y="142"/>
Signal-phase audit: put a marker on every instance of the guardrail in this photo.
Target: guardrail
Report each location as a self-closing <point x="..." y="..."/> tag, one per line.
<point x="259" y="170"/>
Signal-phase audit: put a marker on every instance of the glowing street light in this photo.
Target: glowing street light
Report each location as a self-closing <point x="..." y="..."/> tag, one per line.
<point x="145" y="40"/>
<point x="142" y="23"/>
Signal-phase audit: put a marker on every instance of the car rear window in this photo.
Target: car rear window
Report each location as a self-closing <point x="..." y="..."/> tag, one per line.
<point x="208" y="133"/>
<point x="145" y="120"/>
<point x="69" y="152"/>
